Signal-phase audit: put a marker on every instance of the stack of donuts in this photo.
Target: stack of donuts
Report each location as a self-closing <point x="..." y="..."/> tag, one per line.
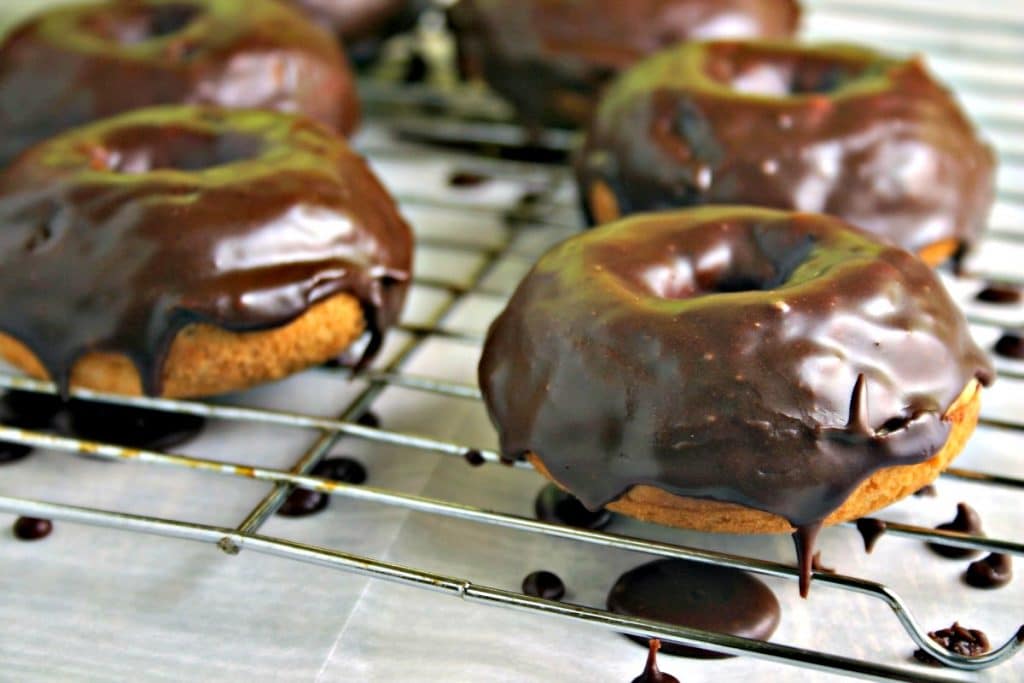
<point x="750" y="340"/>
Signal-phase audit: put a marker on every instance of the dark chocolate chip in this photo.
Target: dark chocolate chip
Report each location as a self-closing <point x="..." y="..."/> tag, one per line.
<point x="967" y="521"/>
<point x="993" y="571"/>
<point x="555" y="505"/>
<point x="544" y="584"/>
<point x="341" y="469"/>
<point x="956" y="639"/>
<point x="996" y="293"/>
<point x="303" y="502"/>
<point x="31" y="529"/>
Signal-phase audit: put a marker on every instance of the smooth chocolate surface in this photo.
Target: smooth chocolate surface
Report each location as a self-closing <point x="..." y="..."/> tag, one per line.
<point x="967" y="521"/>
<point x="758" y="357"/>
<point x="71" y="65"/>
<point x="995" y="570"/>
<point x="544" y="584"/>
<point x="142" y="224"/>
<point x="555" y="505"/>
<point x="652" y="673"/>
<point x="698" y="596"/>
<point x="552" y="58"/>
<point x="833" y="129"/>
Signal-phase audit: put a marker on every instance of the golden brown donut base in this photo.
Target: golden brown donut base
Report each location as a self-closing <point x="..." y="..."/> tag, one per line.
<point x="604" y="207"/>
<point x="205" y="359"/>
<point x="877" y="491"/>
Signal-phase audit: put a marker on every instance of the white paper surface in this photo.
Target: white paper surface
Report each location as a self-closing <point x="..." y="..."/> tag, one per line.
<point x="96" y="605"/>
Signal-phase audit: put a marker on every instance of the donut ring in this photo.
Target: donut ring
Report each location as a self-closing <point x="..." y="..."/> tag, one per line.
<point x="192" y="251"/>
<point x="733" y="369"/>
<point x="551" y="58"/>
<point x="72" y="65"/>
<point x="832" y="129"/>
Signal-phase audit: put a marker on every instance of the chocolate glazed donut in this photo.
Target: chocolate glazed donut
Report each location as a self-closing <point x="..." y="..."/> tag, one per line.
<point x="551" y="58"/>
<point x="73" y="65"/>
<point x="733" y="369"/>
<point x="199" y="250"/>
<point x="831" y="129"/>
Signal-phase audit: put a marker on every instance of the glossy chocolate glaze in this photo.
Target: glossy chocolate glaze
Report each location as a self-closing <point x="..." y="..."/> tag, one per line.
<point x="758" y="357"/>
<point x="72" y="65"/>
<point x="552" y="58"/>
<point x="995" y="570"/>
<point x="698" y="596"/>
<point x="653" y="674"/>
<point x="831" y="129"/>
<point x="142" y="224"/>
<point x="967" y="521"/>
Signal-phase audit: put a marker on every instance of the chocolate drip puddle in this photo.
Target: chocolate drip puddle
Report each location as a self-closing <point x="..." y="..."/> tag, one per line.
<point x="652" y="674"/>
<point x="698" y="596"/>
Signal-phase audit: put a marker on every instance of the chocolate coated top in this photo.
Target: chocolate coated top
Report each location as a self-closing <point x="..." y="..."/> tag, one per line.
<point x="72" y="65"/>
<point x="758" y="357"/>
<point x="551" y="58"/>
<point x="117" y="235"/>
<point x="831" y="128"/>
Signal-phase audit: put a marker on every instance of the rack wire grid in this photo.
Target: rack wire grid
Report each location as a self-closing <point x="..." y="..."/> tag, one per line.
<point x="114" y="592"/>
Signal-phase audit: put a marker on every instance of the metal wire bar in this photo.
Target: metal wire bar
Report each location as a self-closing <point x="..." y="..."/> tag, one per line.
<point x="469" y="513"/>
<point x="472" y="592"/>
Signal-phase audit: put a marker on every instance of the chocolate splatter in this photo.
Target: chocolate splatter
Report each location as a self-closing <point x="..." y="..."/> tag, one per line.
<point x="474" y="457"/>
<point x="956" y="639"/>
<point x="544" y="584"/>
<point x="303" y="502"/>
<point x="341" y="468"/>
<point x="993" y="571"/>
<point x="31" y="529"/>
<point x="966" y="521"/>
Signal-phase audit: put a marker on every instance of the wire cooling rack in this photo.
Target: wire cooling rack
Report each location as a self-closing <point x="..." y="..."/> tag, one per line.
<point x="493" y="234"/>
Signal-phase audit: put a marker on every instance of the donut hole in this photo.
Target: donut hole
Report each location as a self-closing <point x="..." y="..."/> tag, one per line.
<point x="780" y="75"/>
<point x="146" y="151"/>
<point x="140" y="24"/>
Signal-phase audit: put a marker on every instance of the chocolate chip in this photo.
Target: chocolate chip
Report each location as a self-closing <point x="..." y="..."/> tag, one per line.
<point x="31" y="529"/>
<point x="967" y="521"/>
<point x="958" y="640"/>
<point x="303" y="502"/>
<point x="341" y="469"/>
<point x="544" y="584"/>
<point x="992" y="571"/>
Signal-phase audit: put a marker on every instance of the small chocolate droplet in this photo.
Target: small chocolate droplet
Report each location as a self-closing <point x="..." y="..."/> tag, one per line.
<point x="1010" y="346"/>
<point x="926" y="491"/>
<point x="474" y="457"/>
<point x="340" y="468"/>
<point x="817" y="566"/>
<point x="31" y="529"/>
<point x="544" y="584"/>
<point x="993" y="571"/>
<point x="652" y="674"/>
<point x="956" y="639"/>
<point x="967" y="521"/>
<point x="555" y="505"/>
<point x="132" y="427"/>
<point x="303" y="502"/>
<point x="996" y="293"/>
<point x="369" y="419"/>
<point x="870" y="530"/>
<point x="467" y="179"/>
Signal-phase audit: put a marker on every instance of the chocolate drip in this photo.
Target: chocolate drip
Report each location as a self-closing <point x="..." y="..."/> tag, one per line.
<point x="870" y="530"/>
<point x="927" y="491"/>
<point x="956" y="639"/>
<point x="993" y="571"/>
<point x="967" y="521"/>
<point x="555" y="505"/>
<point x="114" y="57"/>
<point x="652" y="674"/>
<point x="996" y="293"/>
<point x="697" y="596"/>
<point x="544" y="584"/>
<point x="31" y="529"/>
<point x="1010" y="345"/>
<point x="803" y="539"/>
<point x="629" y="356"/>
<point x="752" y="122"/>
<point x="818" y="566"/>
<point x="279" y="216"/>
